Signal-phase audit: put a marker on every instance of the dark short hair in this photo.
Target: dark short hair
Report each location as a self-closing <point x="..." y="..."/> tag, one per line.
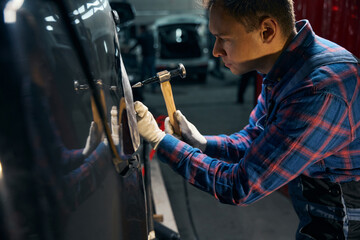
<point x="251" y="12"/>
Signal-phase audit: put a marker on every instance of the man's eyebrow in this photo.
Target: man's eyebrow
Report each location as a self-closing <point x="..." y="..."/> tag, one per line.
<point x="220" y="34"/>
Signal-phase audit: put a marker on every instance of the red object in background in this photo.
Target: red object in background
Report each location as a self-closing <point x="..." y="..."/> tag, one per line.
<point x="161" y="122"/>
<point x="336" y="20"/>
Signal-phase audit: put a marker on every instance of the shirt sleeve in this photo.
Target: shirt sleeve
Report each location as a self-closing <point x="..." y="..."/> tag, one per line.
<point x="71" y="158"/>
<point x="84" y="180"/>
<point x="305" y="131"/>
<point x="232" y="148"/>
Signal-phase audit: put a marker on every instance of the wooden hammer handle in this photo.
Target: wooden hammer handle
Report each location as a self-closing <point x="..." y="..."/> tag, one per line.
<point x="96" y="115"/>
<point x="170" y="105"/>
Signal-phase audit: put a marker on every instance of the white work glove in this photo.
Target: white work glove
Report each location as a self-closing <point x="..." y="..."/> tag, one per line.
<point x="92" y="140"/>
<point x="147" y="125"/>
<point x="115" y="125"/>
<point x="189" y="133"/>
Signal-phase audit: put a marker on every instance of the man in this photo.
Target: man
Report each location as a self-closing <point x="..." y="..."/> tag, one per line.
<point x="304" y="130"/>
<point x="146" y="41"/>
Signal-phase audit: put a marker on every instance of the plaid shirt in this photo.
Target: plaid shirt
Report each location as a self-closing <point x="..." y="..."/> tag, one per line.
<point x="314" y="130"/>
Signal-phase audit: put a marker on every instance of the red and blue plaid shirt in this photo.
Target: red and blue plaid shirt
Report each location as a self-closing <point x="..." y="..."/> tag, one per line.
<point x="314" y="130"/>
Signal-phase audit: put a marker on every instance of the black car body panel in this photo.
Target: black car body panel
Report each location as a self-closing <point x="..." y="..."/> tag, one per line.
<point x="48" y="188"/>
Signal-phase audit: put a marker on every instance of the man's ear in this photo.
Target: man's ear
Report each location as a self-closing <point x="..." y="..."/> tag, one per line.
<point x="269" y="28"/>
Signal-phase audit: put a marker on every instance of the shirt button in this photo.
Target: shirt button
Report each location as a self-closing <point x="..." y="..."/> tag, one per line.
<point x="269" y="88"/>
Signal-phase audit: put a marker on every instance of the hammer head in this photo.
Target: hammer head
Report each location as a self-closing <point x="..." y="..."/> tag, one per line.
<point x="182" y="70"/>
<point x="166" y="75"/>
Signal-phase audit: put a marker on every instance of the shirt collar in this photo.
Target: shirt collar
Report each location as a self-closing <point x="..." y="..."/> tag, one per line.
<point x="291" y="54"/>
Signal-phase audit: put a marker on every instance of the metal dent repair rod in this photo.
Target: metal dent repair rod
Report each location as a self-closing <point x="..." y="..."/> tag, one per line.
<point x="163" y="76"/>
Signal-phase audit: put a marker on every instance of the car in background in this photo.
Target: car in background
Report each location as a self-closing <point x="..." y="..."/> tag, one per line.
<point x="182" y="38"/>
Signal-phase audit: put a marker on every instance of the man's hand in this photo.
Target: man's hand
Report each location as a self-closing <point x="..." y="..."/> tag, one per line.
<point x="189" y="133"/>
<point x="92" y="140"/>
<point x="147" y="125"/>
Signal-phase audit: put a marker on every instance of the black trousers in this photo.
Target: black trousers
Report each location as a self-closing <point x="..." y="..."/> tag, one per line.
<point x="326" y="210"/>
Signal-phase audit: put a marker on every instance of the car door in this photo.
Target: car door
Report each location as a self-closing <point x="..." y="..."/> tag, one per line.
<point x="62" y="175"/>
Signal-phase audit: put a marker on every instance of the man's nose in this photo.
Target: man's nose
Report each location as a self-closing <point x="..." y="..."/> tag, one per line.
<point x="218" y="51"/>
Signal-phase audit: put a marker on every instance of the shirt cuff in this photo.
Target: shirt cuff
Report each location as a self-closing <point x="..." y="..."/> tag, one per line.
<point x="168" y="143"/>
<point x="171" y="150"/>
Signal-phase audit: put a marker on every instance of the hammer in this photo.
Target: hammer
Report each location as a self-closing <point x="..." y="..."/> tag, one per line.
<point x="164" y="78"/>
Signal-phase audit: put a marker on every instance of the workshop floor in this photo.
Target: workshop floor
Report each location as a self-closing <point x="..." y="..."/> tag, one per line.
<point x="212" y="108"/>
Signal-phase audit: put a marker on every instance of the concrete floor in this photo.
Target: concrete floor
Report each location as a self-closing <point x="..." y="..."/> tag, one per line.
<point x="212" y="108"/>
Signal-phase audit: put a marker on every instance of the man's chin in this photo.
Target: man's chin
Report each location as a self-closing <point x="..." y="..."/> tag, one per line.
<point x="235" y="71"/>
